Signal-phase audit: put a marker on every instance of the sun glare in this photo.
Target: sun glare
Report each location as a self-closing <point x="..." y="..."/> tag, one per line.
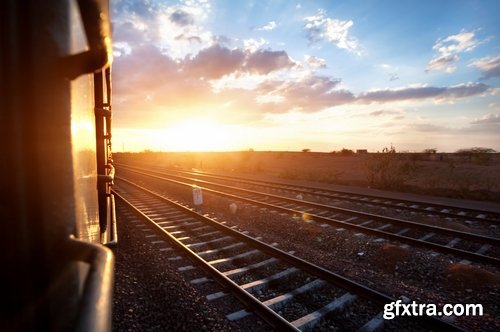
<point x="198" y="134"/>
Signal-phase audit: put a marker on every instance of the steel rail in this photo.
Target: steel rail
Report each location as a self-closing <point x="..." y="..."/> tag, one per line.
<point x="271" y="317"/>
<point x="371" y="216"/>
<point x="380" y="233"/>
<point x="255" y="304"/>
<point x="313" y="191"/>
<point x="370" y="196"/>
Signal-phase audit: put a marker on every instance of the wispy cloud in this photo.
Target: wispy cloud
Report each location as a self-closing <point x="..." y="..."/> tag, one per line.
<point x="488" y="124"/>
<point x="488" y="66"/>
<point x="449" y="48"/>
<point x="485" y="130"/>
<point x="385" y="112"/>
<point x="322" y="28"/>
<point x="444" y="62"/>
<point x="314" y="62"/>
<point x="424" y="92"/>
<point x="268" y="27"/>
<point x="487" y="119"/>
<point x="461" y="42"/>
<point x="426" y="127"/>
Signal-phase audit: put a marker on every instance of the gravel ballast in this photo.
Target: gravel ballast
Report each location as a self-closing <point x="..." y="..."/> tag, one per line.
<point x="397" y="271"/>
<point x="150" y="294"/>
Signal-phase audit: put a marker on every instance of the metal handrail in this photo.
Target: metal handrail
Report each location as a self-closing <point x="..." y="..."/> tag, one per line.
<point x="94" y="311"/>
<point x="112" y="230"/>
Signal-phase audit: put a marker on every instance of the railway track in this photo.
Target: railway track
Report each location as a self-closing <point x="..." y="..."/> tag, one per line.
<point x="287" y="292"/>
<point x="466" y="245"/>
<point x="459" y="213"/>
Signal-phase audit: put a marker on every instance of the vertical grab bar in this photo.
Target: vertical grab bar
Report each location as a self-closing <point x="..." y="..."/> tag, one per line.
<point x="94" y="311"/>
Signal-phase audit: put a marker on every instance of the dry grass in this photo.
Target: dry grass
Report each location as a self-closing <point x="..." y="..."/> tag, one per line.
<point x="389" y="256"/>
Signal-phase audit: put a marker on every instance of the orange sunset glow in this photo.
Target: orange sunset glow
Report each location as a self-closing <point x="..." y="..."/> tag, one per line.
<point x="223" y="76"/>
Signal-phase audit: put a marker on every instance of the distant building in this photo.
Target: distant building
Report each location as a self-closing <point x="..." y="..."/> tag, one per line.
<point x="361" y="151"/>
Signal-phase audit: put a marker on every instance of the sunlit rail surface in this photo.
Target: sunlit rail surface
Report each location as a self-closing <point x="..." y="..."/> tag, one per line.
<point x="461" y="213"/>
<point x="465" y="233"/>
<point x="287" y="292"/>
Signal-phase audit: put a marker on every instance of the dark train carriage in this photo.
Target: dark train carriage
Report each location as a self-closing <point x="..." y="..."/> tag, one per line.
<point x="56" y="210"/>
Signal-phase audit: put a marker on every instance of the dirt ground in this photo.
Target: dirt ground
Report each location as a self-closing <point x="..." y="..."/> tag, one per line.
<point x="474" y="177"/>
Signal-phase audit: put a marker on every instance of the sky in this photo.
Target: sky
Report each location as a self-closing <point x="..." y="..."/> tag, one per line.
<point x="201" y="75"/>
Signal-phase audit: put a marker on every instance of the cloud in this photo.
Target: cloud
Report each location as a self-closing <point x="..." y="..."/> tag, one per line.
<point x="485" y="129"/>
<point x="148" y="74"/>
<point x="268" y="27"/>
<point x="314" y="62"/>
<point x="446" y="63"/>
<point x="190" y="39"/>
<point x="141" y="8"/>
<point x="488" y="66"/>
<point x="215" y="62"/>
<point x="142" y="80"/>
<point x="309" y="94"/>
<point x="321" y="28"/>
<point x="167" y="60"/>
<point x="264" y="61"/>
<point x="424" y="92"/>
<point x="181" y="18"/>
<point x="128" y="33"/>
<point x="120" y="48"/>
<point x="252" y="44"/>
<point x="260" y="82"/>
<point x="385" y="112"/>
<point x="488" y="119"/>
<point x="180" y="28"/>
<point x="448" y="50"/>
<point x="483" y="134"/>
<point x="488" y="124"/>
<point x="151" y="84"/>
<point x="461" y="42"/>
<point x="464" y="90"/>
<point x="426" y="128"/>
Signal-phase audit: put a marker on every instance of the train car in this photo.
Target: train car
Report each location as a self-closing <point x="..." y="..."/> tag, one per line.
<point x="57" y="210"/>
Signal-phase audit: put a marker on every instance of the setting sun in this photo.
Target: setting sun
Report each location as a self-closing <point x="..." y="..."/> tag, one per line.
<point x="197" y="134"/>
